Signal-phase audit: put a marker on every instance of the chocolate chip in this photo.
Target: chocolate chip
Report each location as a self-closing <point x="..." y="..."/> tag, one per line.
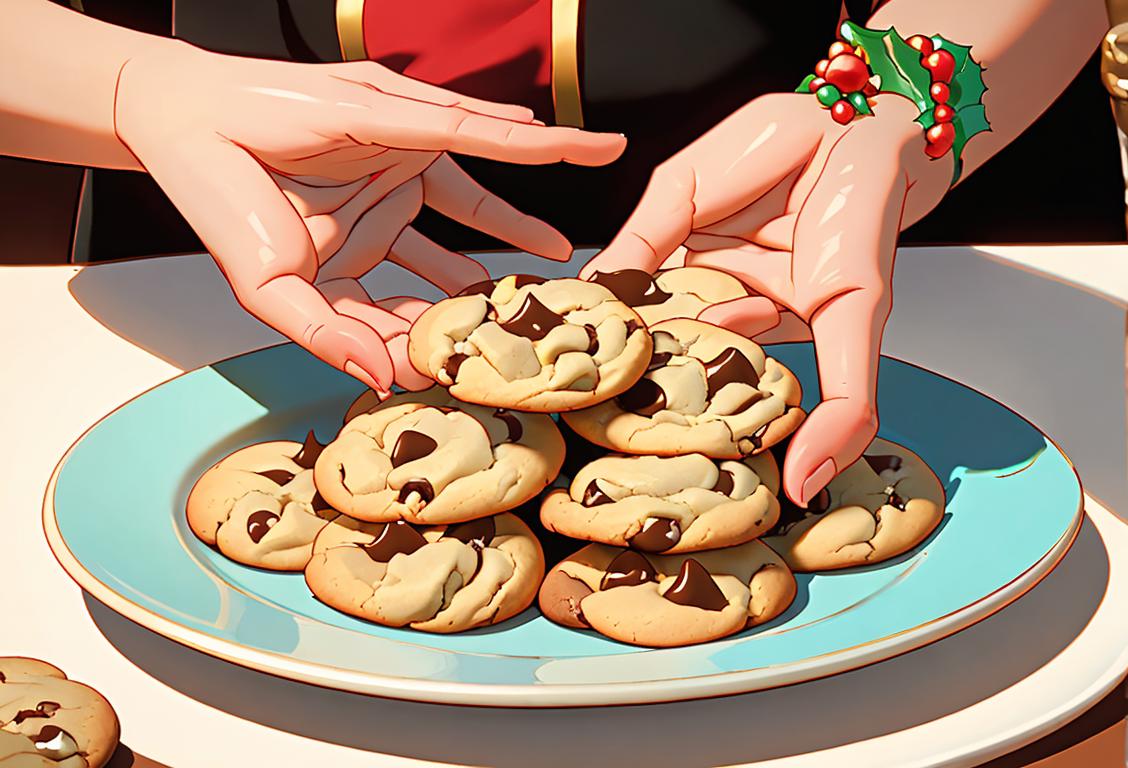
<point x="393" y="539"/>
<point x="882" y="463"/>
<point x="259" y="522"/>
<point x="593" y="339"/>
<point x="412" y="445"/>
<point x="533" y="320"/>
<point x="645" y="398"/>
<point x="633" y="287"/>
<point x="748" y="402"/>
<point x="418" y="485"/>
<point x="658" y="359"/>
<point x="511" y="422"/>
<point x="280" y="476"/>
<point x="632" y="326"/>
<point x="3" y="678"/>
<point x="790" y="513"/>
<point x="594" y="495"/>
<point x="454" y="363"/>
<point x="657" y="535"/>
<point x="695" y="587"/>
<point x="628" y="569"/>
<point x="306" y="457"/>
<point x="757" y="438"/>
<point x="319" y="503"/>
<point x="480" y="288"/>
<point x="42" y="709"/>
<point x="725" y="482"/>
<point x="55" y="744"/>
<point x="478" y="533"/>
<point x="731" y="366"/>
<point x="894" y="499"/>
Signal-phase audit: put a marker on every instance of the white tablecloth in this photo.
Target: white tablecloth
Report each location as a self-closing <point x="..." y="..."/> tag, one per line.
<point x="79" y="341"/>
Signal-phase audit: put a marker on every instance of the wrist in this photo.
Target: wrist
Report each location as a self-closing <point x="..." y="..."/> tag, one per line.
<point x="145" y="100"/>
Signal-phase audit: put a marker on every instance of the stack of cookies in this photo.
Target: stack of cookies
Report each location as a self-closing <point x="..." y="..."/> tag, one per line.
<point x="413" y="514"/>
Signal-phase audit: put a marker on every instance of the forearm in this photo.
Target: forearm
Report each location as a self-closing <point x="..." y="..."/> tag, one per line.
<point x="1030" y="51"/>
<point x="60" y="77"/>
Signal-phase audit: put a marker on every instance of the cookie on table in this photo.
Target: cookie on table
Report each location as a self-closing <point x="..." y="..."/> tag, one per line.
<point x="667" y="600"/>
<point x="259" y="506"/>
<point x="706" y="390"/>
<point x="47" y="720"/>
<point x="531" y="344"/>
<point x="667" y="504"/>
<point x="880" y="506"/>
<point x="681" y="292"/>
<point x="435" y="579"/>
<point x="425" y="458"/>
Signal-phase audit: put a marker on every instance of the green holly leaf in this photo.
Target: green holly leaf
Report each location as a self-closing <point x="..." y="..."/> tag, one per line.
<point x="967" y="99"/>
<point x="967" y="81"/>
<point x="804" y="87"/>
<point x="894" y="61"/>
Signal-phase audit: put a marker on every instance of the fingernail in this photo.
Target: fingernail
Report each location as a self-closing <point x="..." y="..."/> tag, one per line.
<point x="354" y="370"/>
<point x="818" y="480"/>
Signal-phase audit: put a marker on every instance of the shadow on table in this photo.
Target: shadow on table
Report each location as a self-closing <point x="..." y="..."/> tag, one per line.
<point x="927" y="684"/>
<point x="180" y="309"/>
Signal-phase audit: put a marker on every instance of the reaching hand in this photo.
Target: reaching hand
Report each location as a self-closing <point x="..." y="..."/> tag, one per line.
<point x="806" y="212"/>
<point x="301" y="178"/>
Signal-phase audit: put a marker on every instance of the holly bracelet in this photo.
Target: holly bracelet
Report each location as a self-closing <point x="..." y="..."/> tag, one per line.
<point x="937" y="75"/>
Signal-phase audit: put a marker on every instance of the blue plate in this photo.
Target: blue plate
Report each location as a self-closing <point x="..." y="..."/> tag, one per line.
<point x="114" y="517"/>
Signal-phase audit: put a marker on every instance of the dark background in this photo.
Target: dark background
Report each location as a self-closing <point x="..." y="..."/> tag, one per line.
<point x="1060" y="181"/>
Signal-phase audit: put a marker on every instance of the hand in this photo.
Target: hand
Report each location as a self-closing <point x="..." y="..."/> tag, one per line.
<point x="806" y="212"/>
<point x="301" y="178"/>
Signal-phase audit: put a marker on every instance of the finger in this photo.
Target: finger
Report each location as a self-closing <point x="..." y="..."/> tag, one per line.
<point x="844" y="247"/>
<point x="767" y="272"/>
<point x="659" y="224"/>
<point x="748" y="316"/>
<point x="262" y="247"/>
<point x="789" y="330"/>
<point x="410" y="124"/>
<point x="407" y="307"/>
<point x="450" y="272"/>
<point x="314" y="200"/>
<point x="367" y="242"/>
<point x="330" y="231"/>
<point x="388" y="319"/>
<point x="375" y="76"/>
<point x="340" y="164"/>
<point x="452" y="192"/>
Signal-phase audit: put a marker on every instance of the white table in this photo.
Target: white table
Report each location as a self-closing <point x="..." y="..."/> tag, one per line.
<point x="79" y="341"/>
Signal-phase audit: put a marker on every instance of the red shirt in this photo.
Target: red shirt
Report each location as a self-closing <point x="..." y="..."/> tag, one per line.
<point x="491" y="49"/>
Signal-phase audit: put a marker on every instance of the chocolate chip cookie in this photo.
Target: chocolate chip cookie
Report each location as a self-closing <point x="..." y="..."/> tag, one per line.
<point x="531" y="344"/>
<point x="682" y="292"/>
<point x="706" y="390"/>
<point x="435" y="579"/>
<point x="259" y="506"/>
<point x="47" y="720"/>
<point x="884" y="504"/>
<point x="425" y="458"/>
<point x="667" y="600"/>
<point x="667" y="504"/>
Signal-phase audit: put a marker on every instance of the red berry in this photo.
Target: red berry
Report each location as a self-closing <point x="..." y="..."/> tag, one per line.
<point x="869" y="89"/>
<point x="847" y="72"/>
<point x="939" y="138"/>
<point x="815" y="84"/>
<point x="820" y="68"/>
<point x="838" y="47"/>
<point x="940" y="93"/>
<point x="941" y="64"/>
<point x="921" y="43"/>
<point x="842" y="112"/>
<point x="942" y="113"/>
